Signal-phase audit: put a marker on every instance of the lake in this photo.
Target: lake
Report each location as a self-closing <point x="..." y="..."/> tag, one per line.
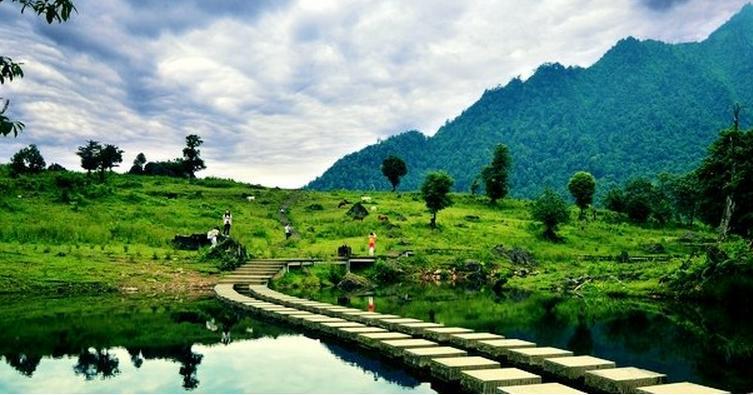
<point x="113" y="344"/>
<point x="706" y="344"/>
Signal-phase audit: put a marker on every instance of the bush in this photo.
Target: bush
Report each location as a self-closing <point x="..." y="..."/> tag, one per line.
<point x="227" y="255"/>
<point x="387" y="272"/>
<point x="551" y="210"/>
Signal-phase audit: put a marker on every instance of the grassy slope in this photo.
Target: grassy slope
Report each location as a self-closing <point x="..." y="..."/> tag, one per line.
<point x="121" y="238"/>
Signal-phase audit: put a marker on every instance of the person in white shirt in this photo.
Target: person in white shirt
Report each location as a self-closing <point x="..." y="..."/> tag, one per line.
<point x="212" y="236"/>
<point x="227" y="220"/>
<point x="288" y="231"/>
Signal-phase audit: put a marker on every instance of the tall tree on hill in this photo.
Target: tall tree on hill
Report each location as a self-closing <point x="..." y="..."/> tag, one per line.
<point x="582" y="186"/>
<point x="551" y="210"/>
<point x="726" y="180"/>
<point x="110" y="156"/>
<point x="27" y="160"/>
<point x="495" y="174"/>
<point x="138" y="164"/>
<point x="435" y="191"/>
<point x="52" y="11"/>
<point x="192" y="162"/>
<point x="89" y="155"/>
<point x="394" y="168"/>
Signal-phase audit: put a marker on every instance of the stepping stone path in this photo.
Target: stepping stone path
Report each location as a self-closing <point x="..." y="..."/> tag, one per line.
<point x="458" y="356"/>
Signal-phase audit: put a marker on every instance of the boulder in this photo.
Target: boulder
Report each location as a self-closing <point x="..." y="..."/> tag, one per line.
<point x="358" y="211"/>
<point x="353" y="282"/>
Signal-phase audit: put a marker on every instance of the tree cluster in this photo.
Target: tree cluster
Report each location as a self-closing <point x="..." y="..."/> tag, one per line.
<point x="100" y="158"/>
<point x="185" y="167"/>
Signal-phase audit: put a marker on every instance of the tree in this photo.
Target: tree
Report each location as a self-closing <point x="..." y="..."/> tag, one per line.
<point x="582" y="186"/>
<point x="551" y="210"/>
<point x="435" y="191"/>
<point x="495" y="174"/>
<point x="138" y="164"/>
<point x="394" y="168"/>
<point x="615" y="200"/>
<point x="639" y="195"/>
<point x="191" y="160"/>
<point x="52" y="11"/>
<point x="110" y="156"/>
<point x="90" y="154"/>
<point x="475" y="186"/>
<point x="27" y="161"/>
<point x="686" y="193"/>
<point x="726" y="183"/>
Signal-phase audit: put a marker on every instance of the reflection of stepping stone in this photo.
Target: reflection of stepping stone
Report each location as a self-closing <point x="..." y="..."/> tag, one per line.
<point x="679" y="388"/>
<point x="421" y="357"/>
<point x="486" y="381"/>
<point x="547" y="388"/>
<point x="575" y="367"/>
<point x="622" y="380"/>
<point x="448" y="369"/>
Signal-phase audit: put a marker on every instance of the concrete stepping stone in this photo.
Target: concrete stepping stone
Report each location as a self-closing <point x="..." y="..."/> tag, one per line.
<point x="415" y="328"/>
<point x="500" y="348"/>
<point x="465" y="339"/>
<point x="421" y="357"/>
<point x="679" y="388"/>
<point x="353" y="332"/>
<point x="442" y="334"/>
<point x="393" y="323"/>
<point x="334" y="328"/>
<point x="376" y="319"/>
<point x="574" y="368"/>
<point x="546" y="388"/>
<point x="622" y="380"/>
<point x="486" y="381"/>
<point x="448" y="369"/>
<point x="535" y="356"/>
<point x="394" y="348"/>
<point x="372" y="339"/>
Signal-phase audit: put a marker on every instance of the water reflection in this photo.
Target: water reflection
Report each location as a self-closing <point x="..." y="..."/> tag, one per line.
<point x="711" y="345"/>
<point x="201" y="346"/>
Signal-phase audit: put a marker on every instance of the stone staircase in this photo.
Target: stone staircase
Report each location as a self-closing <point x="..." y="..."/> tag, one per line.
<point x="255" y="272"/>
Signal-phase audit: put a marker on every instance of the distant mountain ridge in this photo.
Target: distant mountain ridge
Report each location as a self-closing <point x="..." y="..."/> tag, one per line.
<point x="644" y="107"/>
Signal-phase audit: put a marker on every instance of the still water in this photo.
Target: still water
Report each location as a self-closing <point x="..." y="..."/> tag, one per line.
<point x="113" y="345"/>
<point x="706" y="344"/>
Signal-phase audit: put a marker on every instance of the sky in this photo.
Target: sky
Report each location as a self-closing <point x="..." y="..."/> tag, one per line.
<point x="279" y="90"/>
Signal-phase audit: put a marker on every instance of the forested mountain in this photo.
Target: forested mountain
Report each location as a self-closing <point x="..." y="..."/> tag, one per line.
<point x="643" y="108"/>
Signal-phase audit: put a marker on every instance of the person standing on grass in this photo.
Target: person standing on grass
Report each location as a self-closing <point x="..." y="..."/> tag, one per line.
<point x="227" y="220"/>
<point x="372" y="243"/>
<point x="288" y="231"/>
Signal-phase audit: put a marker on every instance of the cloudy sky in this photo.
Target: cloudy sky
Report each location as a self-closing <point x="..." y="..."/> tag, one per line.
<point x="279" y="90"/>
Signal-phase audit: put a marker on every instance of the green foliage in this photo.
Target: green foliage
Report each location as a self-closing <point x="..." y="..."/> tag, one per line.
<point x="495" y="174"/>
<point x="394" y="169"/>
<point x="27" y="161"/>
<point x="551" y="210"/>
<point x="582" y="186"/>
<point x="191" y="159"/>
<point x="475" y="186"/>
<point x="52" y="11"/>
<point x="138" y="164"/>
<point x="639" y="195"/>
<point x="89" y="155"/>
<point x="726" y="171"/>
<point x="435" y="192"/>
<point x="227" y="254"/>
<point x="643" y="108"/>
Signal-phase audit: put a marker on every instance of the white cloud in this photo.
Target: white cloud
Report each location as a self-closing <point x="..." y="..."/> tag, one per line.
<point x="281" y="95"/>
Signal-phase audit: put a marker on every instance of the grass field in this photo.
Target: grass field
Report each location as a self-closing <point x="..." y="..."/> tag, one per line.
<point x="117" y="236"/>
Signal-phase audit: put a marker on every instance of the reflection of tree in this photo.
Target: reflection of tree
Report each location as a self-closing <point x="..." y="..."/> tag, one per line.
<point x="581" y="342"/>
<point x="189" y="366"/>
<point x="136" y="358"/>
<point x="25" y="364"/>
<point x="95" y="362"/>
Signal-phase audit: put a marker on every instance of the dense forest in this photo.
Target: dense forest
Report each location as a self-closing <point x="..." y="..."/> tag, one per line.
<point x="645" y="107"/>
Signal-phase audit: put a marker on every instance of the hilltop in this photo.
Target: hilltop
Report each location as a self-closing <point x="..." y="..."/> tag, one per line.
<point x="643" y="108"/>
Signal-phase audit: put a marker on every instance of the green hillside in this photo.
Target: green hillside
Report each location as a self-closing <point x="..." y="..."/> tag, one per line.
<point x="117" y="236"/>
<point x="643" y="108"/>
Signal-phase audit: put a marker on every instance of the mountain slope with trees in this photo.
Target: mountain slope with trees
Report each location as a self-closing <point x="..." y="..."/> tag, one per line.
<point x="643" y="108"/>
